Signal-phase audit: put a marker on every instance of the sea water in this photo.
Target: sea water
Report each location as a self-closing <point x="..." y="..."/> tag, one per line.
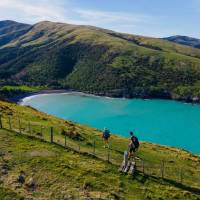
<point x="163" y="122"/>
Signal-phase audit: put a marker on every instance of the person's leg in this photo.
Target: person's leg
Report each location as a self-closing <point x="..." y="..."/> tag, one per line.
<point x="130" y="152"/>
<point x="108" y="142"/>
<point x="104" y="141"/>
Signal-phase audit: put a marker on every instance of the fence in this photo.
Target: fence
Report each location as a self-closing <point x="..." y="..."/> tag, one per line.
<point x="93" y="145"/>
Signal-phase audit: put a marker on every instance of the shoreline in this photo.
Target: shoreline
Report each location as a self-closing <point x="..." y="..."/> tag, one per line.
<point x="19" y="100"/>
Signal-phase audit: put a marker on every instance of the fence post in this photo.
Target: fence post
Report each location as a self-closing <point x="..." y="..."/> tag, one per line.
<point x="79" y="147"/>
<point x="65" y="141"/>
<point x="29" y="127"/>
<point x="162" y="169"/>
<point x="19" y="125"/>
<point x="108" y="154"/>
<point x="181" y="176"/>
<point x="51" y="135"/>
<point x="94" y="146"/>
<point x="1" y="124"/>
<point x="9" y="121"/>
<point x="41" y="131"/>
<point x="143" y="166"/>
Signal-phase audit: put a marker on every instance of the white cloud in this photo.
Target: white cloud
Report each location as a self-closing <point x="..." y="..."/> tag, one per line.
<point x="109" y="17"/>
<point x="119" y="21"/>
<point x="32" y="11"/>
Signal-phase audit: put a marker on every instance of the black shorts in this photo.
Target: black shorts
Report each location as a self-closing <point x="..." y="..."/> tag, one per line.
<point x="132" y="150"/>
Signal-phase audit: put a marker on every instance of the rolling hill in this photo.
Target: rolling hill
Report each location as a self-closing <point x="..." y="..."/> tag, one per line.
<point x="185" y="40"/>
<point x="98" y="61"/>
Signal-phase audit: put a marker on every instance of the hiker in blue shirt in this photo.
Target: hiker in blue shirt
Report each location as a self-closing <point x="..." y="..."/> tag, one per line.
<point x="106" y="136"/>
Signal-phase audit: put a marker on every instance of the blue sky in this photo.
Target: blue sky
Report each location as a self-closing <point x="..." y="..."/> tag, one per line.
<point x="157" y="18"/>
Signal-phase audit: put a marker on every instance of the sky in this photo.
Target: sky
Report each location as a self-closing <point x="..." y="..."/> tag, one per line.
<point x="156" y="18"/>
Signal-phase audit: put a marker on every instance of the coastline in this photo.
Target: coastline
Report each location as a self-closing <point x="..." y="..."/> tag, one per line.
<point x="19" y="98"/>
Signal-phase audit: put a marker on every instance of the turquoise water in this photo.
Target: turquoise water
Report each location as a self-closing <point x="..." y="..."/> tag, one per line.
<point x="158" y="121"/>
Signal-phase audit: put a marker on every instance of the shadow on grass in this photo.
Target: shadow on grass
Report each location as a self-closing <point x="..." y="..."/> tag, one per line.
<point x="142" y="178"/>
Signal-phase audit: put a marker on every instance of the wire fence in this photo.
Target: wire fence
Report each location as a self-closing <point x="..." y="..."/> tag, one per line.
<point x="68" y="137"/>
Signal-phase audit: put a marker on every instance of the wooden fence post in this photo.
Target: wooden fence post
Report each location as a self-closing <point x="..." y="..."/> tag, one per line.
<point x="20" y="131"/>
<point x="65" y="141"/>
<point x="181" y="176"/>
<point x="29" y="127"/>
<point x="51" y="135"/>
<point x="9" y="121"/>
<point x="79" y="147"/>
<point x="41" y="131"/>
<point x="1" y="124"/>
<point x="162" y="169"/>
<point x="94" y="146"/>
<point x="143" y="166"/>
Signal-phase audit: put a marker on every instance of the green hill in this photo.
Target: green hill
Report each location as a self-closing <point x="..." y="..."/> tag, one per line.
<point x="99" y="61"/>
<point x="75" y="171"/>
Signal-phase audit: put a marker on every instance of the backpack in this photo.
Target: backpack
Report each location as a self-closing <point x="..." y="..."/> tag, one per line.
<point x="136" y="143"/>
<point x="106" y="134"/>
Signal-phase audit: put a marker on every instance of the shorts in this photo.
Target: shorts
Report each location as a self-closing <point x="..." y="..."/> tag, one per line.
<point x="132" y="150"/>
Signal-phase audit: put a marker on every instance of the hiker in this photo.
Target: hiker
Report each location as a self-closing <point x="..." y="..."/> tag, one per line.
<point x="106" y="136"/>
<point x="133" y="145"/>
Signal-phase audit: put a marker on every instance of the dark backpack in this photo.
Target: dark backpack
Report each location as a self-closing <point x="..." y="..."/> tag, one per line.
<point x="106" y="134"/>
<point x="136" y="143"/>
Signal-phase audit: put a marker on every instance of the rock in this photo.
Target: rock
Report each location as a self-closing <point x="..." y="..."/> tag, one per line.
<point x="4" y="171"/>
<point x="68" y="197"/>
<point x="31" y="184"/>
<point x="21" y="179"/>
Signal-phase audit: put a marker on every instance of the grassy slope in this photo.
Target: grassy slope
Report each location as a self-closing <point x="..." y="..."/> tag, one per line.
<point x="100" y="61"/>
<point x="60" y="171"/>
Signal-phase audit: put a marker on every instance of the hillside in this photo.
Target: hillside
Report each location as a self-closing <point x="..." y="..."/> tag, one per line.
<point x="189" y="41"/>
<point x="74" y="172"/>
<point x="99" y="61"/>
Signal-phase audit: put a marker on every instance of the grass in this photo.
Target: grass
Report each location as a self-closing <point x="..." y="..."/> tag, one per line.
<point x="61" y="172"/>
<point x="20" y="88"/>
